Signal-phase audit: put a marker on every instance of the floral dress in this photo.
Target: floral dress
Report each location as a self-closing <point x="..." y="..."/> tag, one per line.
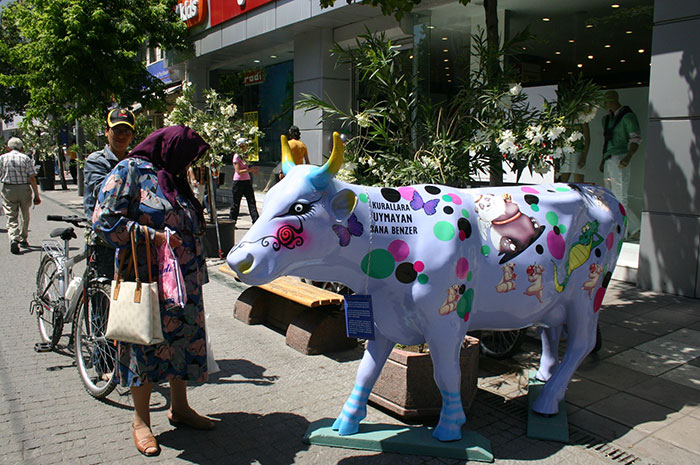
<point x="131" y="196"/>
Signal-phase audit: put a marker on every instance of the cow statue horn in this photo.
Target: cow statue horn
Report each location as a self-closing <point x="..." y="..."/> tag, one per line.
<point x="287" y="158"/>
<point x="320" y="177"/>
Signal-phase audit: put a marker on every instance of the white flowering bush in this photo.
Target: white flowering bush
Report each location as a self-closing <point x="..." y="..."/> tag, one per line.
<point x="219" y="123"/>
<point x="398" y="139"/>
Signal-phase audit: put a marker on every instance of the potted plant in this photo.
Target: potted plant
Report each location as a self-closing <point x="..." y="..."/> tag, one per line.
<point x="220" y="125"/>
<point x="406" y="386"/>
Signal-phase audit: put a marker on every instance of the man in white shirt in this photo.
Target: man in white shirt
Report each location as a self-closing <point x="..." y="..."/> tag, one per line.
<point x="18" y="178"/>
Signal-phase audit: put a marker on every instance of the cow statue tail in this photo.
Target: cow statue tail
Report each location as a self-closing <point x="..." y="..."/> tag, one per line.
<point x="559" y="287"/>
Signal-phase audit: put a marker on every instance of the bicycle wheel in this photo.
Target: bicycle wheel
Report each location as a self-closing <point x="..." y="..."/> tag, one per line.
<point x="48" y="299"/>
<point x="501" y="344"/>
<point x="95" y="356"/>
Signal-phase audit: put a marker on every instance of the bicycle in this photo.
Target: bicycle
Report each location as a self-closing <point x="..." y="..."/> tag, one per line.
<point x="62" y="297"/>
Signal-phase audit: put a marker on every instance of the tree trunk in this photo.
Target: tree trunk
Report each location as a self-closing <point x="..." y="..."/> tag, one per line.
<point x="493" y="70"/>
<point x="61" y="158"/>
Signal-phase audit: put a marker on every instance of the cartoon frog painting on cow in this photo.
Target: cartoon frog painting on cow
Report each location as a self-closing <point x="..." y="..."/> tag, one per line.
<point x="422" y="254"/>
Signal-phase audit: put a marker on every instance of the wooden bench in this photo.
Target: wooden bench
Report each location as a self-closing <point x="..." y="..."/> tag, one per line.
<point x="312" y="318"/>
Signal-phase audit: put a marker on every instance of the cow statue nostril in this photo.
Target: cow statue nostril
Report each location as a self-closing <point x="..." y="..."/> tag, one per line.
<point x="245" y="265"/>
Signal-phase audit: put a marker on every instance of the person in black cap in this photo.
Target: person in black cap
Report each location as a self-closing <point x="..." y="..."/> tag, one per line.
<point x="119" y="133"/>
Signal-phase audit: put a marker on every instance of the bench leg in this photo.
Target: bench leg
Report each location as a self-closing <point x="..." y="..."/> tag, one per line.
<point x="250" y="308"/>
<point x="315" y="331"/>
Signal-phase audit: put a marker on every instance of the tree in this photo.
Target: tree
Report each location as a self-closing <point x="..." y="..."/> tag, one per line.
<point x="75" y="57"/>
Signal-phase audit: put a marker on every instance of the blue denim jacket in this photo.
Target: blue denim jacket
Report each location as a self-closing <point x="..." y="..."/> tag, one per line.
<point x="97" y="166"/>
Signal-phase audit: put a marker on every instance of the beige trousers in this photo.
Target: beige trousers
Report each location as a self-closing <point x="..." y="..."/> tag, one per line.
<point x="16" y="200"/>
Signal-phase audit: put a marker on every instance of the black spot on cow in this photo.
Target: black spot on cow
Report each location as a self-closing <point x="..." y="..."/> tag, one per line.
<point x="405" y="273"/>
<point x="606" y="279"/>
<point x="434" y="190"/>
<point x="598" y="253"/>
<point x="556" y="230"/>
<point x="391" y="195"/>
<point x="462" y="288"/>
<point x="539" y="249"/>
<point x="464" y="225"/>
<point x="448" y="210"/>
<point x="532" y="199"/>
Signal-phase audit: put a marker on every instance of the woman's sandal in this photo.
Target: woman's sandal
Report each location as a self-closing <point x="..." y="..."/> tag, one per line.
<point x="147" y="445"/>
<point x="195" y="421"/>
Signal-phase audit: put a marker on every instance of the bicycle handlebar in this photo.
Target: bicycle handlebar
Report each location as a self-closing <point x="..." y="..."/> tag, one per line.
<point x="75" y="220"/>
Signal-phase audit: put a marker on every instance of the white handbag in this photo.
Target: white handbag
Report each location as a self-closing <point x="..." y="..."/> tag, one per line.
<point x="134" y="312"/>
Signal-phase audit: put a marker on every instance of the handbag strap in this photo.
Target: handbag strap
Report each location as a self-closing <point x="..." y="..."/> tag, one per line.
<point x="134" y="260"/>
<point x="148" y="253"/>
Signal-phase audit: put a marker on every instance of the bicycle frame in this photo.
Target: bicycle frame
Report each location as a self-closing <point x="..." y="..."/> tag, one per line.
<point x="64" y="264"/>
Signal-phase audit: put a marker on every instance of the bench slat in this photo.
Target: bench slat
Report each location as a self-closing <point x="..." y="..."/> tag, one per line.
<point x="295" y="290"/>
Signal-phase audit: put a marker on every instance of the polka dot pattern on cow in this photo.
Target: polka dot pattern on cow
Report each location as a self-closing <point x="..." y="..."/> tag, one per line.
<point x="434" y="190"/>
<point x="444" y="230"/>
<point x="378" y="264"/>
<point x="399" y="250"/>
<point x="462" y="268"/>
<point x="533" y="201"/>
<point x="390" y="195"/>
<point x="405" y="273"/>
<point x="465" y="229"/>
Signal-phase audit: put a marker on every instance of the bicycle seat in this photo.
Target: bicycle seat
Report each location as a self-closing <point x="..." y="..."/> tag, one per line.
<point x="65" y="233"/>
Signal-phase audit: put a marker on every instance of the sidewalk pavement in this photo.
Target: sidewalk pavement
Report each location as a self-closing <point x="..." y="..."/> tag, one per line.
<point x="637" y="401"/>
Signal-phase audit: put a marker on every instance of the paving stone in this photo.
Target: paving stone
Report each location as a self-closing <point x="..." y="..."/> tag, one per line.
<point x="645" y="362"/>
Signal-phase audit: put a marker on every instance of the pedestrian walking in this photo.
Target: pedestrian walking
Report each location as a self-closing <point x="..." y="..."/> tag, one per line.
<point x="149" y="188"/>
<point x="242" y="183"/>
<point x="120" y="133"/>
<point x="18" y="178"/>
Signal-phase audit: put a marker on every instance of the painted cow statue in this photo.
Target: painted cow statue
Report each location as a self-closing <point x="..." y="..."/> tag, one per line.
<point x="438" y="261"/>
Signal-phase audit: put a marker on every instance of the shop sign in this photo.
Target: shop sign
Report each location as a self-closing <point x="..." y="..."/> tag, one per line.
<point x="223" y="10"/>
<point x="254" y="77"/>
<point x="192" y="12"/>
<point x="159" y="70"/>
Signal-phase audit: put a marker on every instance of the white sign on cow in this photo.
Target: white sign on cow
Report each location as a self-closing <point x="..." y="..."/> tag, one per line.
<point x="438" y="261"/>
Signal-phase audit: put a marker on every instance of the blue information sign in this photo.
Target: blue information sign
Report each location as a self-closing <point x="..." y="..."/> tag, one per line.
<point x="359" y="321"/>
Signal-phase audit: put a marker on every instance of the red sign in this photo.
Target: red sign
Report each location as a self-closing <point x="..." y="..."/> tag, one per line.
<point x="253" y="77"/>
<point x="192" y="12"/>
<point x="223" y="10"/>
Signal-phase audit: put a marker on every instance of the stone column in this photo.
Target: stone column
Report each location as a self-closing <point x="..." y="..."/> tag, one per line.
<point x="669" y="256"/>
<point x="315" y="72"/>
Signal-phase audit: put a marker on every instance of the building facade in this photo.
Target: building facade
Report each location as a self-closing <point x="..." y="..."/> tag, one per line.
<point x="266" y="53"/>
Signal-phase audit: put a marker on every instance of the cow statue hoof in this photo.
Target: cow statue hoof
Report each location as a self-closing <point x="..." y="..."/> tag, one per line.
<point x="448" y="431"/>
<point x="345" y="427"/>
<point x="544" y="405"/>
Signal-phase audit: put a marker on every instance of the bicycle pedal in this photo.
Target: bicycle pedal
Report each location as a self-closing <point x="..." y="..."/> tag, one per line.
<point x="42" y="347"/>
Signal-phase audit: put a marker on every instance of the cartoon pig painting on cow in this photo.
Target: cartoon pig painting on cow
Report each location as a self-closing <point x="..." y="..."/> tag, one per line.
<point x="421" y="253"/>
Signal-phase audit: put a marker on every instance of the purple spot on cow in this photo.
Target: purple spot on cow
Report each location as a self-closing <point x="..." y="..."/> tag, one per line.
<point x="456" y="199"/>
<point x="419" y="266"/>
<point x="406" y="193"/>
<point x="390" y="195"/>
<point x="405" y="273"/>
<point x="529" y="190"/>
<point x="556" y="245"/>
<point x="434" y="190"/>
<point x="462" y="268"/>
<point x="378" y="264"/>
<point x="399" y="250"/>
<point x="423" y="279"/>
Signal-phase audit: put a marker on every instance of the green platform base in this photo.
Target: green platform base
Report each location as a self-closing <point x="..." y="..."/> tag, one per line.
<point x="398" y="439"/>
<point x="554" y="428"/>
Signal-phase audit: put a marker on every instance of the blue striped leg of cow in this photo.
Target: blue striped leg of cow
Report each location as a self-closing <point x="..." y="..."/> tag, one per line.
<point x="354" y="410"/>
<point x="452" y="417"/>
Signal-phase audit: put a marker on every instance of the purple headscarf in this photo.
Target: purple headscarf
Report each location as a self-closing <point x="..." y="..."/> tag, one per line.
<point x="171" y="150"/>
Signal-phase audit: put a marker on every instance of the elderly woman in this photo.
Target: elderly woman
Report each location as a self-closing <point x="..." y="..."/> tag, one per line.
<point x="149" y="188"/>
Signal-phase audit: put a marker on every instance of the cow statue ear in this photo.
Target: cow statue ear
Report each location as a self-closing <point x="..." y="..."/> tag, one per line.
<point x="343" y="204"/>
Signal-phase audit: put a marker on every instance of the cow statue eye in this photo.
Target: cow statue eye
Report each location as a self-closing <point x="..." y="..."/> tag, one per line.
<point x="298" y="209"/>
